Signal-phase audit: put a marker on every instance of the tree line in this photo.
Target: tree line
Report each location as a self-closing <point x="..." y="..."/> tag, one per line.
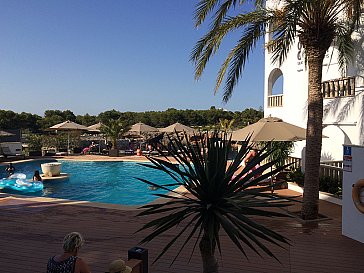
<point x="204" y="119"/>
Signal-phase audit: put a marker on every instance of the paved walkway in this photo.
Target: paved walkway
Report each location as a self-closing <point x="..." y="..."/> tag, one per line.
<point x="32" y="231"/>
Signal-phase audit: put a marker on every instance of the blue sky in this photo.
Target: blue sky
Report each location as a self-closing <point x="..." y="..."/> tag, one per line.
<point x="90" y="56"/>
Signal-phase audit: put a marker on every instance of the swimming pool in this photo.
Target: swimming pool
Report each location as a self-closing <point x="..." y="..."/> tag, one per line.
<point x="96" y="181"/>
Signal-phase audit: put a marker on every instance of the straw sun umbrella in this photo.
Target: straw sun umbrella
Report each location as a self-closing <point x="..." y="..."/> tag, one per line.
<point x="141" y="128"/>
<point x="5" y="134"/>
<point x="68" y="126"/>
<point x="96" y="129"/>
<point x="270" y="129"/>
<point x="177" y="127"/>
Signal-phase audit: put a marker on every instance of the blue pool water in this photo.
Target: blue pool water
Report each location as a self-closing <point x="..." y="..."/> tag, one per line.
<point x="106" y="182"/>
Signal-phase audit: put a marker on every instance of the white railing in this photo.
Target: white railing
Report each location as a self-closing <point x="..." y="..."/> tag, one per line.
<point x="336" y="88"/>
<point x="332" y="169"/>
<point x="275" y="101"/>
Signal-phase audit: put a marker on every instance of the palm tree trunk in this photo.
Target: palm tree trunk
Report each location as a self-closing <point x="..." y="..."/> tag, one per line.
<point x="313" y="135"/>
<point x="209" y="261"/>
<point x="114" y="143"/>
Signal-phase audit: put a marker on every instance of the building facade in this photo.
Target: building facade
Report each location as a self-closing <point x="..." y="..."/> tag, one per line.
<point x="342" y="89"/>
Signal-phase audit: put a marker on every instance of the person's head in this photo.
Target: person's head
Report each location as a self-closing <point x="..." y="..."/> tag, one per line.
<point x="10" y="164"/>
<point x="72" y="242"/>
<point x="119" y="266"/>
<point x="36" y="173"/>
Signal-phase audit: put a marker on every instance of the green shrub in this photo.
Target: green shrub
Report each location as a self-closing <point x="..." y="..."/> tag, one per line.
<point x="296" y="175"/>
<point x="327" y="183"/>
<point x="330" y="185"/>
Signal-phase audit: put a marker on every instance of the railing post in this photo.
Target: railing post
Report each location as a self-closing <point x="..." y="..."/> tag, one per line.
<point x="139" y="253"/>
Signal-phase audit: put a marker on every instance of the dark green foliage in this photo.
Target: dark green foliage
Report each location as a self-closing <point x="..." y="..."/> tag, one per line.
<point x="216" y="200"/>
<point x="327" y="183"/>
<point x="203" y="119"/>
<point x="281" y="151"/>
<point x="35" y="142"/>
<point x="86" y="120"/>
<point x="12" y="120"/>
<point x="114" y="129"/>
<point x="330" y="185"/>
<point x="297" y="176"/>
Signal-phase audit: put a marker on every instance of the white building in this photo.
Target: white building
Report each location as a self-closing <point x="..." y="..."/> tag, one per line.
<point x="343" y="95"/>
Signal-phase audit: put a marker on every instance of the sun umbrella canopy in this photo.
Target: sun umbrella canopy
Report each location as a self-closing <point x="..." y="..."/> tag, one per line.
<point x="68" y="126"/>
<point x="178" y="127"/>
<point x="4" y="133"/>
<point x="140" y="128"/>
<point x="94" y="128"/>
<point x="270" y="129"/>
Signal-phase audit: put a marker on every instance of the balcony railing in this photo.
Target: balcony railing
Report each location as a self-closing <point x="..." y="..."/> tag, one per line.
<point x="275" y="101"/>
<point x="337" y="88"/>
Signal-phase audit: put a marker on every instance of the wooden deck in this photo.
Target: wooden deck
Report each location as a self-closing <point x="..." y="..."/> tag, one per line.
<point x="32" y="231"/>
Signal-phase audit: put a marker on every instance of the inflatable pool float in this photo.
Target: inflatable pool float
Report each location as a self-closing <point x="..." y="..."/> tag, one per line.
<point x="17" y="182"/>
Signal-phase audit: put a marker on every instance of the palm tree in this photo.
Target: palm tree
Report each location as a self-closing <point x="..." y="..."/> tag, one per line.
<point x="114" y="129"/>
<point x="220" y="198"/>
<point x="226" y="125"/>
<point x="317" y="24"/>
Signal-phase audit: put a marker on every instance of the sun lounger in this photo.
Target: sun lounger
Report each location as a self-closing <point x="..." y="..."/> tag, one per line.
<point x="5" y="152"/>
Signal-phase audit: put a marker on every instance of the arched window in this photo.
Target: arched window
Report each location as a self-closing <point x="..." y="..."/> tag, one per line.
<point x="275" y="82"/>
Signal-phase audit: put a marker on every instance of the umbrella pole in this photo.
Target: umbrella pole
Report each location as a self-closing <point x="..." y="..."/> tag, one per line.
<point x="271" y="177"/>
<point x="99" y="145"/>
<point x="68" y="143"/>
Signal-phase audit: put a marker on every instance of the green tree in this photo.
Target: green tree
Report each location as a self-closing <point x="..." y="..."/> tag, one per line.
<point x="316" y="23"/>
<point x="8" y="119"/>
<point x="35" y="142"/>
<point x="86" y="119"/>
<point x="53" y="117"/>
<point x="28" y="121"/>
<point x="104" y="117"/>
<point x="217" y="200"/>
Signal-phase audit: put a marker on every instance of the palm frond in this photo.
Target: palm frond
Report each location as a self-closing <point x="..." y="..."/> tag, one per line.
<point x="203" y="8"/>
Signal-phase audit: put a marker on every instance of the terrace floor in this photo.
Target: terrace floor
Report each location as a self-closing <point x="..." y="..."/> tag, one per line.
<point x="32" y="231"/>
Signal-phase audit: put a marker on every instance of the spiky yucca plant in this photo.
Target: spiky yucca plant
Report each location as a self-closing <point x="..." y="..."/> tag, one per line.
<point x="219" y="198"/>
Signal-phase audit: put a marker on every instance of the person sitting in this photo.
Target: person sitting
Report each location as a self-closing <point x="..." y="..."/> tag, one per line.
<point x="10" y="169"/>
<point x="85" y="150"/>
<point x="37" y="177"/>
<point x="253" y="153"/>
<point x="69" y="262"/>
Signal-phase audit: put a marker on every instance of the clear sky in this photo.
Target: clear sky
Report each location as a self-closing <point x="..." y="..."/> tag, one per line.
<point x="89" y="56"/>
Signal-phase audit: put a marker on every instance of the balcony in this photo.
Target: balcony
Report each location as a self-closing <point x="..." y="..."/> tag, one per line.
<point x="338" y="88"/>
<point x="275" y="101"/>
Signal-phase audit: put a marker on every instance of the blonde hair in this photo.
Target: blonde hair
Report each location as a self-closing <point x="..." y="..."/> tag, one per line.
<point x="72" y="242"/>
